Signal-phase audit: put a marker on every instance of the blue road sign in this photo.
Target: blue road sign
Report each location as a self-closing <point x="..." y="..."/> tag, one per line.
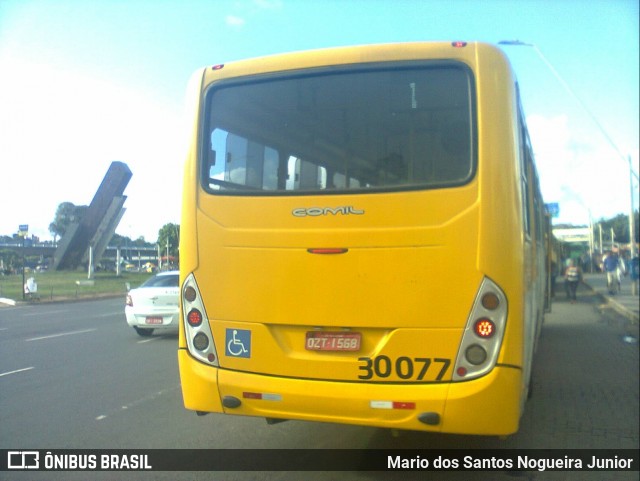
<point x="553" y="209"/>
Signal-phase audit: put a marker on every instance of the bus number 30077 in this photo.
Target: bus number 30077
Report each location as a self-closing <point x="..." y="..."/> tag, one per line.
<point x="403" y="367"/>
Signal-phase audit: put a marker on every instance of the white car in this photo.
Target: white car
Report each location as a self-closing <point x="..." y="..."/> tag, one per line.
<point x="154" y="305"/>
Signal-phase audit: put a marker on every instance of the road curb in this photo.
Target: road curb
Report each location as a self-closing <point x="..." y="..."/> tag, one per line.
<point x="615" y="305"/>
<point x="11" y="302"/>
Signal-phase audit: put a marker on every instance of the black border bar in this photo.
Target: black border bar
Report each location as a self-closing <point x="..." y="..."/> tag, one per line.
<point x="512" y="460"/>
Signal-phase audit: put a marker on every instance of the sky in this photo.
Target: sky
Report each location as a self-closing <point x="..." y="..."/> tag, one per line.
<point x="87" y="82"/>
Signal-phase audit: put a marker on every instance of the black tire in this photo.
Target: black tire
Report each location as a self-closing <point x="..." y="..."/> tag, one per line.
<point x="143" y="332"/>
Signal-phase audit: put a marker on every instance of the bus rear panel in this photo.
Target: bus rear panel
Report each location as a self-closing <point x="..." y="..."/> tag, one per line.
<point x="353" y="246"/>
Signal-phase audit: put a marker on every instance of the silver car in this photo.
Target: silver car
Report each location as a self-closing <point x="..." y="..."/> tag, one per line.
<point x="154" y="305"/>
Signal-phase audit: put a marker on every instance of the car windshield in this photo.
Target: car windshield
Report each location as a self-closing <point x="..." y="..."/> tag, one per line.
<point x="166" y="280"/>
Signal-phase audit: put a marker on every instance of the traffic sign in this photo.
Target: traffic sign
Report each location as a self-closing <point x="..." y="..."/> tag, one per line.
<point x="553" y="209"/>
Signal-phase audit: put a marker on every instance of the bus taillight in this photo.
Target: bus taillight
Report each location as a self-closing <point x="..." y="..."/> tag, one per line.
<point x="190" y="294"/>
<point x="201" y="341"/>
<point x="482" y="338"/>
<point x="194" y="318"/>
<point x="475" y="354"/>
<point x="490" y="301"/>
<point x="196" y="324"/>
<point x="484" y="328"/>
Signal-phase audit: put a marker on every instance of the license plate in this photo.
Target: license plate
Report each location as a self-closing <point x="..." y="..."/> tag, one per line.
<point x="332" y="341"/>
<point x="153" y="320"/>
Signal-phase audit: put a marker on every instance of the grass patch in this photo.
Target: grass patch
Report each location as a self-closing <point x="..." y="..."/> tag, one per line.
<point x="56" y="285"/>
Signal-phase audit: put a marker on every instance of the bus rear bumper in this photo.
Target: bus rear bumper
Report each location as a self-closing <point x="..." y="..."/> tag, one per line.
<point x="485" y="406"/>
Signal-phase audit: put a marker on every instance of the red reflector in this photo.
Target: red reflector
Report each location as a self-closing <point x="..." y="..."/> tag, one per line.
<point x="459" y="44"/>
<point x="462" y="371"/>
<point x="403" y="405"/>
<point x="265" y="396"/>
<point x="328" y="250"/>
<point x="252" y="395"/>
<point x="484" y="328"/>
<point x="392" y="405"/>
<point x="194" y="318"/>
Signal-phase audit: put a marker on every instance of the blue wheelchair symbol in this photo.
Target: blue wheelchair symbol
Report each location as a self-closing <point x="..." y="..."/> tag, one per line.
<point x="238" y="343"/>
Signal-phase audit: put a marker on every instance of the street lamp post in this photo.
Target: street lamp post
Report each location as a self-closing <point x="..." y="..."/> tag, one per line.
<point x="601" y="246"/>
<point x="24" y="294"/>
<point x="23" y="231"/>
<point x="613" y="239"/>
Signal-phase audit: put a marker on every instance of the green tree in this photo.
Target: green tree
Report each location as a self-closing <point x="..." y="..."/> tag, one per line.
<point x="140" y="242"/>
<point x="169" y="233"/>
<point x="120" y="241"/>
<point x="620" y="226"/>
<point x="66" y="214"/>
<point x="11" y="260"/>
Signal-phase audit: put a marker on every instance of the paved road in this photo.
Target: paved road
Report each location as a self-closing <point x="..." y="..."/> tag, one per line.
<point x="73" y="375"/>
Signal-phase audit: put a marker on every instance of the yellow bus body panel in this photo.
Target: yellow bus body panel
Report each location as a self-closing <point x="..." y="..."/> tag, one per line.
<point x="390" y="276"/>
<point x="474" y="407"/>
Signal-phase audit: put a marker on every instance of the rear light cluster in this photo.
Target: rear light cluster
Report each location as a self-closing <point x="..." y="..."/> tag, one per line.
<point x="196" y="325"/>
<point x="483" y="333"/>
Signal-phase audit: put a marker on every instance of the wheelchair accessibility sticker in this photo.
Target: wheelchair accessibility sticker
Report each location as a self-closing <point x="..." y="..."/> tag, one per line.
<point x="238" y="343"/>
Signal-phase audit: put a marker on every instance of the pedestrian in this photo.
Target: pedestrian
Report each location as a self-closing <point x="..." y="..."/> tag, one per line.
<point x="612" y="268"/>
<point x="573" y="276"/>
<point x="563" y="272"/>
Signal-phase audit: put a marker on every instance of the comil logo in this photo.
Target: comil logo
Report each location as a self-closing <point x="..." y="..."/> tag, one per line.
<point x="318" y="211"/>
<point x="23" y="460"/>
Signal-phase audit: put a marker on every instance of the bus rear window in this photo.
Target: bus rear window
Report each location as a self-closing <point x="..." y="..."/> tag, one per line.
<point x="341" y="131"/>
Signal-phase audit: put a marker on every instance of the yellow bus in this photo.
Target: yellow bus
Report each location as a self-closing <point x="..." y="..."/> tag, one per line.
<point x="362" y="240"/>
